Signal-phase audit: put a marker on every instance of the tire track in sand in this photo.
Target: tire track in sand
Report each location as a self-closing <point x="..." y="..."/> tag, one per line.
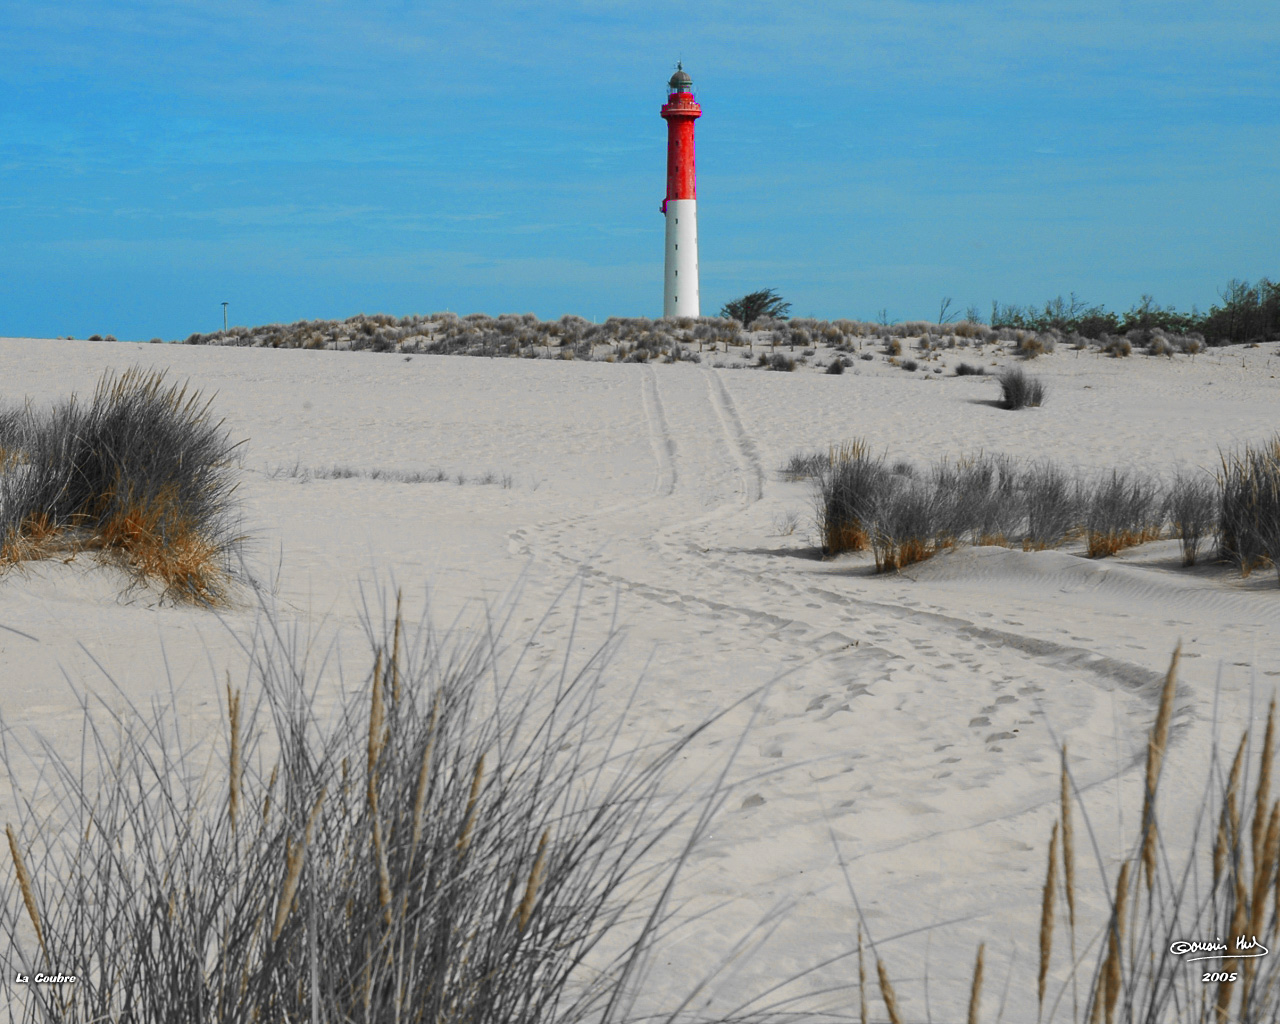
<point x="520" y="541"/>
<point x="748" y="456"/>
<point x="660" y="436"/>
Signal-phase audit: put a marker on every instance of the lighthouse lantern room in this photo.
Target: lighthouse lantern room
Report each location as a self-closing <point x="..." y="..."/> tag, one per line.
<point x="680" y="286"/>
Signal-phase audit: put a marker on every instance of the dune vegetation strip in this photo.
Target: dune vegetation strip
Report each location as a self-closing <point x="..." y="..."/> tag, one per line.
<point x="905" y="517"/>
<point x="305" y="474"/>
<point x="141" y="474"/>
<point x="1249" y="315"/>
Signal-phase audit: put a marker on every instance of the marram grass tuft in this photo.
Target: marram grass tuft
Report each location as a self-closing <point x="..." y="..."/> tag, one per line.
<point x="141" y="474"/>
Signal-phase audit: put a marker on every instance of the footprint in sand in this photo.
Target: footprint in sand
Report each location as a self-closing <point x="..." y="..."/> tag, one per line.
<point x="979" y="721"/>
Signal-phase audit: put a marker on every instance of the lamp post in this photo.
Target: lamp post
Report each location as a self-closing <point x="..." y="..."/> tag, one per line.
<point x="224" y="318"/>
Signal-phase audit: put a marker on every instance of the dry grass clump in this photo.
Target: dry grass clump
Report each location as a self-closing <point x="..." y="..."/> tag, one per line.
<point x="1249" y="522"/>
<point x="805" y="465"/>
<point x="906" y="525"/>
<point x="1122" y="511"/>
<point x="906" y="517"/>
<point x="1160" y="344"/>
<point x="1192" y="507"/>
<point x="141" y="472"/>
<point x="454" y="845"/>
<point x="1053" y="505"/>
<point x="850" y="490"/>
<point x="968" y="370"/>
<point x="1019" y="390"/>
<point x="306" y="474"/>
<point x="981" y="499"/>
<point x="1116" y="347"/>
<point x="1029" y="346"/>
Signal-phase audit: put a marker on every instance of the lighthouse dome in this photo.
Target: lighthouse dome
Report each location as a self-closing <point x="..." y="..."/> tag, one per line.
<point x="680" y="81"/>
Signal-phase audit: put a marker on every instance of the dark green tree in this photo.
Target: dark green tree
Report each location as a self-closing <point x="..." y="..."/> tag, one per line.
<point x="750" y="308"/>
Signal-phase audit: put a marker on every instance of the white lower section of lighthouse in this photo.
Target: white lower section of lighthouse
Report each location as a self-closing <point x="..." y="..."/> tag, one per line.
<point x="680" y="291"/>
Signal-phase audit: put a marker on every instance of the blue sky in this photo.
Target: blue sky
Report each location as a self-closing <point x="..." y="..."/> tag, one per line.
<point x="320" y="159"/>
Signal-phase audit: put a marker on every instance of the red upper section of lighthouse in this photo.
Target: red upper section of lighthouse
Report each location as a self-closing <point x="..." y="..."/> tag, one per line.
<point x="680" y="111"/>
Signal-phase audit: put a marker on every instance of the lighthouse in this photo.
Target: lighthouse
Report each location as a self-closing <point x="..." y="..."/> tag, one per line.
<point x="680" y="284"/>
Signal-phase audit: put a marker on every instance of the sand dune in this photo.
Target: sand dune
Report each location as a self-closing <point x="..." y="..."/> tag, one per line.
<point x="914" y="716"/>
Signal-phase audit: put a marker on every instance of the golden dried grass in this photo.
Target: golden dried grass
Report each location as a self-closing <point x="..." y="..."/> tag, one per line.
<point x="862" y="981"/>
<point x="235" y="770"/>
<point x="525" y="910"/>
<point x="886" y="993"/>
<point x="1046" y="914"/>
<point x="28" y="893"/>
<point x="469" y="820"/>
<point x="1112" y="975"/>
<point x="846" y="536"/>
<point x="1102" y="544"/>
<point x="975" y="990"/>
<point x="1156" y="746"/>
<point x="295" y="854"/>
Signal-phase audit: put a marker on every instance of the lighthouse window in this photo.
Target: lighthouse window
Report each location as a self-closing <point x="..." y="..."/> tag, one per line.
<point x="677" y="245"/>
<point x="677" y="273"/>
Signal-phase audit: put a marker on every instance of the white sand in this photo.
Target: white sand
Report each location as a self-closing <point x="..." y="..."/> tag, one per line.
<point x="913" y="719"/>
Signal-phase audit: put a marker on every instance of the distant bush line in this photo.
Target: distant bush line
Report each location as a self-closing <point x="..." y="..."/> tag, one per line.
<point x="639" y="339"/>
<point x="1247" y="313"/>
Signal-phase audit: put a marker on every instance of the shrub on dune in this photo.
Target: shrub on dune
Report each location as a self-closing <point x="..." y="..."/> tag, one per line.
<point x="804" y="465"/>
<point x="850" y="489"/>
<point x="1053" y="506"/>
<point x="969" y="370"/>
<point x="907" y="525"/>
<point x="1018" y="390"/>
<point x="1122" y="511"/>
<point x="141" y="471"/>
<point x="1159" y="344"/>
<point x="1031" y="346"/>
<point x="979" y="499"/>
<point x="1249" y="519"/>
<point x="1192" y="506"/>
<point x="1117" y="347"/>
